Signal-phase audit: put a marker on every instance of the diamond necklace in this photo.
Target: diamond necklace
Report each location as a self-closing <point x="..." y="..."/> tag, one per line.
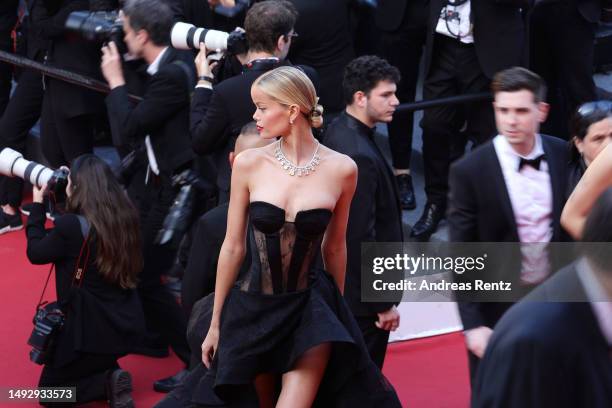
<point x="291" y="168"/>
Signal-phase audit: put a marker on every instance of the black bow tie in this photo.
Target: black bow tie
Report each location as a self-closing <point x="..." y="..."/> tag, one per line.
<point x="535" y="163"/>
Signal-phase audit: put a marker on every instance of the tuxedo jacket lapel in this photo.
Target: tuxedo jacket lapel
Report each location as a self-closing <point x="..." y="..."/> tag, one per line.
<point x="555" y="169"/>
<point x="499" y="186"/>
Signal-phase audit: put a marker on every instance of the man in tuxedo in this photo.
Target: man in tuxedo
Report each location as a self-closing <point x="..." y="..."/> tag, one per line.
<point x="467" y="43"/>
<point x="375" y="216"/>
<point x="510" y="189"/>
<point x="403" y="27"/>
<point x="553" y="348"/>
<point x="218" y="113"/>
<point x="200" y="275"/>
<point x="161" y="122"/>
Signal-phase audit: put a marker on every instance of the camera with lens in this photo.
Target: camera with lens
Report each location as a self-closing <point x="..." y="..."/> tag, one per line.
<point x="186" y="36"/>
<point x="48" y="321"/>
<point x="101" y="23"/>
<point x="13" y="164"/>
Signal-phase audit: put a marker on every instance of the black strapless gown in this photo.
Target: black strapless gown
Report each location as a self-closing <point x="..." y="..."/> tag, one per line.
<point x="282" y="306"/>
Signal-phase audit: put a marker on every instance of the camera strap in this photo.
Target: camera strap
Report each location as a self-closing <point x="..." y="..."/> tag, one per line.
<point x="81" y="264"/>
<point x="79" y="268"/>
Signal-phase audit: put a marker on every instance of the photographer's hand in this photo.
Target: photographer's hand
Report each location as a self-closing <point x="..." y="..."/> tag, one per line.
<point x="111" y="66"/>
<point x="38" y="194"/>
<point x="201" y="62"/>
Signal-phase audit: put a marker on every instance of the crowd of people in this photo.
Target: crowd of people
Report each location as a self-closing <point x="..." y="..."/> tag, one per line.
<point x="277" y="146"/>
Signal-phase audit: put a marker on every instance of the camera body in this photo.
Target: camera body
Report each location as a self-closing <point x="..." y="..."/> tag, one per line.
<point x="101" y="26"/>
<point x="48" y="321"/>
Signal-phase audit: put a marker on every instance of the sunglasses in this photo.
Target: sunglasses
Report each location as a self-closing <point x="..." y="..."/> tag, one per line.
<point x="589" y="108"/>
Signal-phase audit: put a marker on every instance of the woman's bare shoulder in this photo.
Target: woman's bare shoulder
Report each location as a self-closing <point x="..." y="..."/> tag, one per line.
<point x="342" y="164"/>
<point x="249" y="159"/>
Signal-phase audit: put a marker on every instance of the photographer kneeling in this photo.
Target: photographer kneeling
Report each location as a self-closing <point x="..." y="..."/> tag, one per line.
<point x="95" y="248"/>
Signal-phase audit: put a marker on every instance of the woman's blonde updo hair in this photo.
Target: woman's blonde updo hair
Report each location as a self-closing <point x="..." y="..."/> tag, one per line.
<point x="291" y="86"/>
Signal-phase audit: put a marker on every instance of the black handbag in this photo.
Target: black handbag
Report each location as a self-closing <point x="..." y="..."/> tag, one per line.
<point x="49" y="317"/>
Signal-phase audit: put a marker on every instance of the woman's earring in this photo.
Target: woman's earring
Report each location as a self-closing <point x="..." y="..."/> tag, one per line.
<point x="291" y="122"/>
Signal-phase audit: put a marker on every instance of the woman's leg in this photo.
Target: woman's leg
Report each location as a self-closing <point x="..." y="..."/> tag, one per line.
<point x="301" y="384"/>
<point x="265" y="385"/>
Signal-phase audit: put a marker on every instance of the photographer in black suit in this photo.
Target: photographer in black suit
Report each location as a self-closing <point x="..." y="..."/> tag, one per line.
<point x="20" y="115"/>
<point x="218" y="114"/>
<point x="375" y="216"/>
<point x="160" y="121"/>
<point x="69" y="112"/>
<point x="466" y="45"/>
<point x="8" y="18"/>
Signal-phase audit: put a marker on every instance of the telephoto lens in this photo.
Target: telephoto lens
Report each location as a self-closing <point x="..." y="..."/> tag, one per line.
<point x="13" y="164"/>
<point x="186" y="36"/>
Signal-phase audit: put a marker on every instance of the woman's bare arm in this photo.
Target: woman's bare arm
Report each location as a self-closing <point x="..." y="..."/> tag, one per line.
<point x="596" y="179"/>
<point x="334" y="241"/>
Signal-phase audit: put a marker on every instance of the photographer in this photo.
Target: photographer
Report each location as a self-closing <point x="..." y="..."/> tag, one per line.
<point x="218" y="115"/>
<point x="103" y="317"/>
<point x="69" y="112"/>
<point x="160" y="121"/>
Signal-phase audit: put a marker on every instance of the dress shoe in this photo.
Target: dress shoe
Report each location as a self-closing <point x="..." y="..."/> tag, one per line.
<point x="119" y="389"/>
<point x="406" y="192"/>
<point x="428" y="223"/>
<point x="168" y="384"/>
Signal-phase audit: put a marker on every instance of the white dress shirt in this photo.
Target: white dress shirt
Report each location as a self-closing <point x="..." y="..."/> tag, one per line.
<point x="530" y="193"/>
<point x="153" y="166"/>
<point x="454" y="22"/>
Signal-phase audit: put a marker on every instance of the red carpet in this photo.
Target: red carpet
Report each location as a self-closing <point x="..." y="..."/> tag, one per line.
<point x="427" y="373"/>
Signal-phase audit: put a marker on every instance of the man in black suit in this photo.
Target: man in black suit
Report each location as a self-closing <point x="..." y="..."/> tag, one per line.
<point x="21" y="113"/>
<point x="8" y="18"/>
<point x="160" y="121"/>
<point x="69" y="112"/>
<point x="324" y="43"/>
<point x="218" y="114"/>
<point x="553" y="348"/>
<point x="561" y="50"/>
<point x="466" y="45"/>
<point x="403" y="27"/>
<point x="375" y="216"/>
<point x="510" y="189"/>
<point x="200" y="273"/>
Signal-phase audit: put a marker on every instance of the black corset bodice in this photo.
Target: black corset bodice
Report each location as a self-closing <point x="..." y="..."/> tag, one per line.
<point x="282" y="252"/>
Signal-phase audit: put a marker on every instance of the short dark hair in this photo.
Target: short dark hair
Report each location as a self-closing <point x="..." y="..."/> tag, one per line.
<point x="249" y="129"/>
<point x="598" y="230"/>
<point x="265" y="22"/>
<point x="364" y="73"/>
<point x="587" y="114"/>
<point x="152" y="16"/>
<point x="519" y="79"/>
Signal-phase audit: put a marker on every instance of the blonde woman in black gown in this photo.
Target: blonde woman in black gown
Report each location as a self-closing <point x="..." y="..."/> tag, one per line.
<point x="281" y="333"/>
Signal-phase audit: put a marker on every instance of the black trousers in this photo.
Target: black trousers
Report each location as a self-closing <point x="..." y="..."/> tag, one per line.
<point x="88" y="373"/>
<point x="163" y="315"/>
<point x="64" y="138"/>
<point x="376" y="340"/>
<point x="20" y="116"/>
<point x="561" y="51"/>
<point x="403" y="49"/>
<point x="6" y="71"/>
<point x="454" y="70"/>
